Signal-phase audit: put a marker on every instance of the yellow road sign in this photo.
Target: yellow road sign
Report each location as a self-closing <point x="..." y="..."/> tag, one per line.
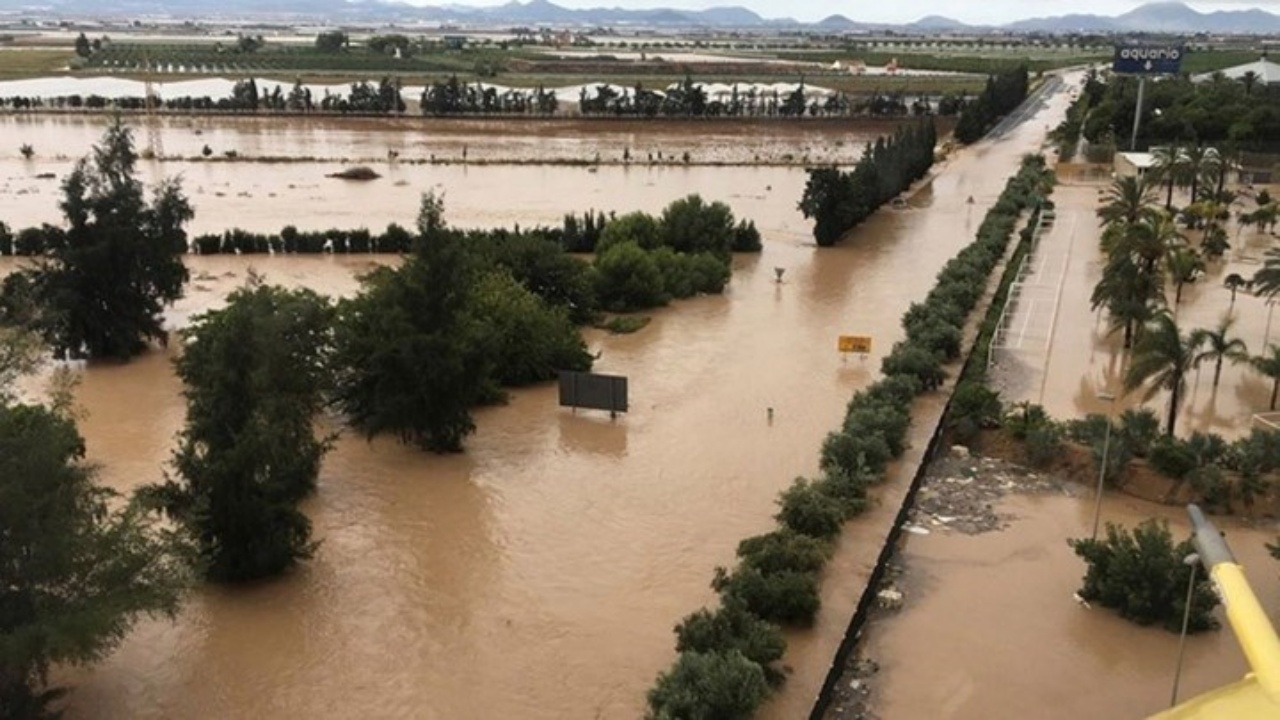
<point x="854" y="344"/>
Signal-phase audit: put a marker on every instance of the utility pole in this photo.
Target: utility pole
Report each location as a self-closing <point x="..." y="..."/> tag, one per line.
<point x="150" y="99"/>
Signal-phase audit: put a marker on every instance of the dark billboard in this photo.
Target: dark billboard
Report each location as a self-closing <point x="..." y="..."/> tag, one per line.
<point x="1148" y="59"/>
<point x="589" y="390"/>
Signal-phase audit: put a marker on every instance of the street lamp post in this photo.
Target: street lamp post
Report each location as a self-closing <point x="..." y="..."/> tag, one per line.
<point x="1192" y="561"/>
<point x="1266" y="337"/>
<point x="1102" y="470"/>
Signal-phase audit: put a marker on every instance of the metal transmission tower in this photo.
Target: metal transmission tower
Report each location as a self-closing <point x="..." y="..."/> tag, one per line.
<point x="155" y="143"/>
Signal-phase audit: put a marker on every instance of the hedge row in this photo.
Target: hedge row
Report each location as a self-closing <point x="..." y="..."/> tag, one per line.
<point x="727" y="662"/>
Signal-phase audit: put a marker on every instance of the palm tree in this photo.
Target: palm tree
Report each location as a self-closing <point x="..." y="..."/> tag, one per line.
<point x="1161" y="359"/>
<point x="1128" y="200"/>
<point x="1199" y="160"/>
<point x="1269" y="365"/>
<point x="1170" y="167"/>
<point x="1130" y="294"/>
<point x="1146" y="241"/>
<point x="1266" y="281"/>
<point x="1220" y="346"/>
<point x="1249" y="79"/>
<point x="1184" y="265"/>
<point x="1234" y="282"/>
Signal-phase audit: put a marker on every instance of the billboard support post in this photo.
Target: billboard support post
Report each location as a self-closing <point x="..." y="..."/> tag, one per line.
<point x="1137" y="114"/>
<point x="1144" y="60"/>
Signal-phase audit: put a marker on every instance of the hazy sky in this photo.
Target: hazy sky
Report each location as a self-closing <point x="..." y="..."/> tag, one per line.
<point x="971" y="11"/>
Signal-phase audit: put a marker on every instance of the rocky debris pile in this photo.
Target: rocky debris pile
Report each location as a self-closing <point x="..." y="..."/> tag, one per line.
<point x="852" y="700"/>
<point x="961" y="490"/>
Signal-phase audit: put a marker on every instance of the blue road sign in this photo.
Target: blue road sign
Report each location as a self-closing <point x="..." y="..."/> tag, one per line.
<point x="1148" y="59"/>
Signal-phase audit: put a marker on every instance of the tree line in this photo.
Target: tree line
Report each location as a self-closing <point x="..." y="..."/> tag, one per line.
<point x="837" y="201"/>
<point x="451" y="96"/>
<point x="1231" y="115"/>
<point x="1003" y="93"/>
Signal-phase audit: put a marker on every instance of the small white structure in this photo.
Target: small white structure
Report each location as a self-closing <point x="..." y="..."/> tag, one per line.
<point x="1264" y="72"/>
<point x="1133" y="164"/>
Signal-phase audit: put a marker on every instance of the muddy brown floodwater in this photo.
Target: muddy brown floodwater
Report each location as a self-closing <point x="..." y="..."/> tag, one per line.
<point x="417" y="140"/>
<point x="539" y="574"/>
<point x="990" y="630"/>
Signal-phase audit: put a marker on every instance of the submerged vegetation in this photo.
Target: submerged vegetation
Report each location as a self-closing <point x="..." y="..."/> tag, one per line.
<point x="838" y="201"/>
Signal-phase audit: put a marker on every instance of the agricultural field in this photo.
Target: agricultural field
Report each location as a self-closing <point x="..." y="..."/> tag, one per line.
<point x="24" y="63"/>
<point x="515" y="67"/>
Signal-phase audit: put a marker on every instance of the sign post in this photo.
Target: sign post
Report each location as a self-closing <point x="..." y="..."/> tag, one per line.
<point x="1144" y="60"/>
<point x="860" y="344"/>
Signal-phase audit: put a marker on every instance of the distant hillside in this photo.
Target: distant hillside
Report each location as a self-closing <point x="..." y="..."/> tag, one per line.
<point x="1157" y="17"/>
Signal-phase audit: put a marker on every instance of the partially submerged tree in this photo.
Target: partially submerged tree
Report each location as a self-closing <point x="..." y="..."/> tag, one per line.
<point x="77" y="567"/>
<point x="104" y="285"/>
<point x="1142" y="575"/>
<point x="1269" y="364"/>
<point x="255" y="375"/>
<point x="1219" y="346"/>
<point x="411" y="356"/>
<point x="1162" y="358"/>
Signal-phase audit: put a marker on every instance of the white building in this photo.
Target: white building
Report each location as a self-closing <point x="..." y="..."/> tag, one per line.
<point x="1264" y="71"/>
<point x="1133" y="164"/>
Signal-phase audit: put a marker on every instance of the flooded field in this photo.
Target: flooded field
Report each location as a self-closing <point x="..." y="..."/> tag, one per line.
<point x="539" y="574"/>
<point x="1006" y="596"/>
<point x="426" y="140"/>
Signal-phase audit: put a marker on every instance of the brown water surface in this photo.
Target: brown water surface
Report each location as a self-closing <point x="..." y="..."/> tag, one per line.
<point x="539" y="574"/>
<point x="990" y="629"/>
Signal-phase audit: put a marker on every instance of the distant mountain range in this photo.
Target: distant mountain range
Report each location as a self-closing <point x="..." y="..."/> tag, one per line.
<point x="1156" y="17"/>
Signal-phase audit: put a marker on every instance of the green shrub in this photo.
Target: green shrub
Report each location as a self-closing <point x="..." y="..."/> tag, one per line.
<point x="746" y="238"/>
<point x="1138" y="429"/>
<point x="1142" y="575"/>
<point x="974" y="407"/>
<point x="1044" y="444"/>
<point x="783" y="549"/>
<point x="888" y="422"/>
<point x="855" y="454"/>
<point x="690" y="225"/>
<point x="808" y="511"/>
<point x="627" y="278"/>
<point x="898" y="390"/>
<point x="1256" y="454"/>
<point x="731" y="628"/>
<point x="625" y="324"/>
<point x="938" y="336"/>
<point x="849" y="489"/>
<point x="1207" y="448"/>
<point x="911" y="359"/>
<point x="708" y="686"/>
<point x="640" y="228"/>
<point x="1171" y="458"/>
<point x="1211" y="486"/>
<point x="786" y="597"/>
<point x="1023" y="417"/>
